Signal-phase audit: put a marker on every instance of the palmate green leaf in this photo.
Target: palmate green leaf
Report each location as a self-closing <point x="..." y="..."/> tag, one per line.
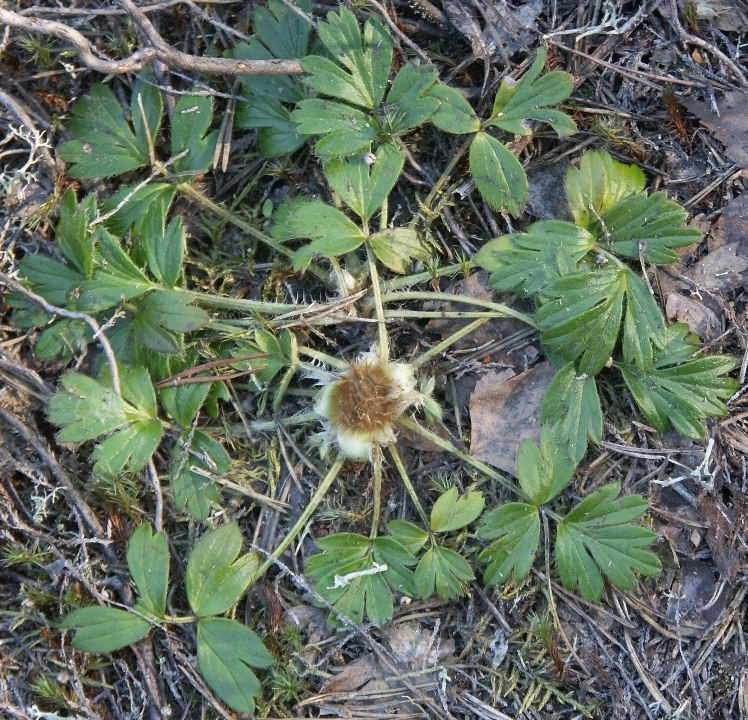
<point x="131" y="447"/>
<point x="648" y="227"/>
<point x="580" y="317"/>
<point x="105" y="629"/>
<point x="189" y="125"/>
<point x="216" y="577"/>
<point x="368" y="60"/>
<point x="85" y="410"/>
<point x="197" y="458"/>
<point x="277" y="132"/>
<point x="443" y="571"/>
<point x="226" y="652"/>
<point x="364" y="184"/>
<point x="104" y="142"/>
<point x="351" y="580"/>
<point x="498" y="175"/>
<point x="56" y="282"/>
<point x="137" y="389"/>
<point x="529" y="98"/>
<point x="682" y="395"/>
<point x="515" y="530"/>
<point x="410" y="536"/>
<point x="571" y="404"/>
<point x="120" y="280"/>
<point x="397" y="248"/>
<point x="183" y="402"/>
<point x="148" y="562"/>
<point x="526" y="262"/>
<point x="280" y="352"/>
<point x="543" y="472"/>
<point x="455" y="114"/>
<point x="162" y="316"/>
<point x="597" y="538"/>
<point x="408" y="103"/>
<point x="346" y="130"/>
<point x="451" y="512"/>
<point x="598" y="185"/>
<point x="330" y="230"/>
<point x="398" y="559"/>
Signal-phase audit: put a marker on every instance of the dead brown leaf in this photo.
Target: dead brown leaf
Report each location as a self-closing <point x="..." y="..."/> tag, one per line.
<point x="722" y="270"/>
<point x="702" y="321"/>
<point x="503" y="413"/>
<point x="730" y="127"/>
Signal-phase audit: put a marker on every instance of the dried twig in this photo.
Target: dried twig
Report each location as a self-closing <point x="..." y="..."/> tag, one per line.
<point x="159" y="50"/>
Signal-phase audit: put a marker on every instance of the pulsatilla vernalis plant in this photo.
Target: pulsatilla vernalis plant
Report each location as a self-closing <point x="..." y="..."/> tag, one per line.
<point x="124" y="265"/>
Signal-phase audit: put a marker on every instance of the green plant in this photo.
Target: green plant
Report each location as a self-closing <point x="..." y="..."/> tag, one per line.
<point x="122" y="282"/>
<point x="216" y="577"/>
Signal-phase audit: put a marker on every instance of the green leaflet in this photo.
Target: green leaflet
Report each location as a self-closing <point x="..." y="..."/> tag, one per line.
<point x="148" y="562"/>
<point x="647" y="227"/>
<point x="679" y="392"/>
<point x="331" y="232"/>
<point x="397" y="248"/>
<point x="162" y="316"/>
<point x="529" y="99"/>
<point x="197" y="458"/>
<point x="598" y="184"/>
<point x="189" y="133"/>
<point x="451" y="512"/>
<point x="543" y="472"/>
<point x="571" y="404"/>
<point x="104" y="629"/>
<point x="226" y="650"/>
<point x="597" y="538"/>
<point x="216" y="576"/>
<point x="515" y="531"/>
<point x="498" y="175"/>
<point x="105" y="144"/>
<point x="527" y="262"/>
<point x="364" y="183"/>
<point x="443" y="571"/>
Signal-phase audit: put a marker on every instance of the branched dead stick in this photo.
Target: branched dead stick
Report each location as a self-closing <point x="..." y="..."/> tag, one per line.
<point x="62" y="312"/>
<point x="159" y="50"/>
<point x="704" y="45"/>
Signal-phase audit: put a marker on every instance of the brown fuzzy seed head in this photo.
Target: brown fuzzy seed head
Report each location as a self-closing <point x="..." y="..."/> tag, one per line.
<point x="366" y="400"/>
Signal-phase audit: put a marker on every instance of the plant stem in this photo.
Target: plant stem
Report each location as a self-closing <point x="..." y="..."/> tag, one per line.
<point x="174" y="620"/>
<point x="323" y="357"/>
<point x="301" y="418"/>
<point x="428" y="275"/>
<point x="447" y="171"/>
<point x="444" y="344"/>
<point x="410" y="280"/>
<point x="216" y="301"/>
<point x="501" y="310"/>
<point x="301" y="523"/>
<point x="450" y="448"/>
<point x="230" y="217"/>
<point x="408" y="484"/>
<point x="376" y="290"/>
<point x="377" y="463"/>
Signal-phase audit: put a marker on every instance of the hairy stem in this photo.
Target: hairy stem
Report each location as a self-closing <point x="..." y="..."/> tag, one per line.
<point x="301" y="523"/>
<point x="444" y="344"/>
<point x="409" y="424"/>
<point x="501" y="310"/>
<point x="376" y="290"/>
<point x="408" y="484"/>
<point x="377" y="463"/>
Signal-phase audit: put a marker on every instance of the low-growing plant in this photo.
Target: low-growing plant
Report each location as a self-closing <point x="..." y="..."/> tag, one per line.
<point x="171" y="348"/>
<point x="215" y="579"/>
